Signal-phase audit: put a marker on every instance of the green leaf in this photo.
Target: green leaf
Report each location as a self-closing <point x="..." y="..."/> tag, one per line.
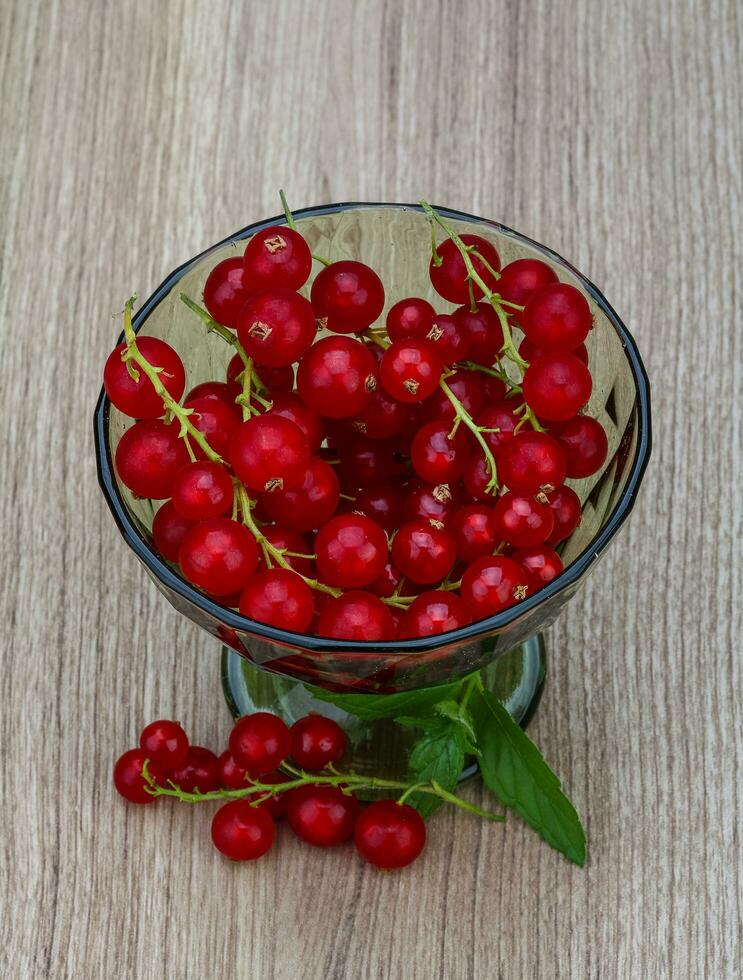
<point x="437" y="756"/>
<point x="371" y="706"/>
<point x="513" y="768"/>
<point x="417" y="721"/>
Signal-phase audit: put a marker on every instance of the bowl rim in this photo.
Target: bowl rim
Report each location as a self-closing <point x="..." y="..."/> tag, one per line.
<point x="496" y="623"/>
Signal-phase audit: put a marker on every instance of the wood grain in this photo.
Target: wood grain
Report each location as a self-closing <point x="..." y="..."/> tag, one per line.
<point x="133" y="135"/>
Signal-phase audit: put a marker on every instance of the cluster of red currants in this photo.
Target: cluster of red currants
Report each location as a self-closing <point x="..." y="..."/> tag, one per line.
<point x="373" y="482"/>
<point x="386" y="833"/>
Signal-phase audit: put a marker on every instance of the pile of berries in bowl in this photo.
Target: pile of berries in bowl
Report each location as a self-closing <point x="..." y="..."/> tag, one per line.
<point x="370" y="466"/>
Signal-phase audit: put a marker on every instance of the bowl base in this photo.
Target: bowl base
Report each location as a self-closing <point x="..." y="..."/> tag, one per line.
<point x="380" y="747"/>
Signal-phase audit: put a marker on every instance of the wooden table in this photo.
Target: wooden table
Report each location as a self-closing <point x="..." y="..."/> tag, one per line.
<point x="136" y="133"/>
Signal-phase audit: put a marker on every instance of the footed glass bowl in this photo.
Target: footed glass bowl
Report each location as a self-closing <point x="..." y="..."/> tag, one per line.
<point x="395" y="240"/>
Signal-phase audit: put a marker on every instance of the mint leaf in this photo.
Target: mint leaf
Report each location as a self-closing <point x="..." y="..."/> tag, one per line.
<point x="437" y="756"/>
<point x="513" y="768"/>
<point x="371" y="706"/>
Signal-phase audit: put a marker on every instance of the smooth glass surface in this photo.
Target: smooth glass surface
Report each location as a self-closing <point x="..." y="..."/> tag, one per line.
<point x="394" y="240"/>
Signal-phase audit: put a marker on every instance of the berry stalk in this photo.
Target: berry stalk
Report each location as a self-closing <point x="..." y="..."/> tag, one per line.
<point x="462" y="415"/>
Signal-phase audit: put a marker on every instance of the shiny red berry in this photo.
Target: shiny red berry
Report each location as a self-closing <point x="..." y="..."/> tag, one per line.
<point x="383" y="503"/>
<point x="365" y="462"/>
<point x="556" y="386"/>
<point x="290" y="406"/>
<point x="541" y="562"/>
<point x="410" y="317"/>
<point x="259" y="743"/>
<point x="390" y="835"/>
<point x="483" y="328"/>
<point x="337" y="377"/>
<point x="276" y="327"/>
<point x="148" y="457"/>
<point x="430" y="503"/>
<point x="222" y="391"/>
<point x="270" y="453"/>
<point x="437" y="455"/>
<point x="356" y="615"/>
<point x="202" y="490"/>
<point x="137" y="398"/>
<point x="530" y="462"/>
<point x="530" y="353"/>
<point x="165" y="743"/>
<point x="434" y="612"/>
<point x="566" y="510"/>
<point x="281" y="537"/>
<point x="585" y="444"/>
<point x="198" y="773"/>
<point x="309" y="505"/>
<point x="351" y="551"/>
<point x="226" y="290"/>
<point x="467" y="386"/>
<point x="475" y="532"/>
<point x="216" y="421"/>
<point x="275" y="379"/>
<point x="501" y="419"/>
<point x="556" y="317"/>
<point x="520" y="278"/>
<point x="277" y="257"/>
<point x="449" y="276"/>
<point x="477" y="477"/>
<point x="128" y="778"/>
<point x="231" y="774"/>
<point x="448" y="339"/>
<point x="423" y="553"/>
<point x="278" y="597"/>
<point x="168" y="530"/>
<point x="322" y="815"/>
<point x="383" y="416"/>
<point x="348" y="295"/>
<point x="410" y="370"/>
<point x="522" y="521"/>
<point x="218" y="556"/>
<point x="242" y="832"/>
<point x="317" y="741"/>
<point x="492" y="584"/>
<point x="277" y="804"/>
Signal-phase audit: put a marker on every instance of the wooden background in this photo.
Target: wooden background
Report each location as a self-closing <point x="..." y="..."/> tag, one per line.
<point x="136" y="133"/>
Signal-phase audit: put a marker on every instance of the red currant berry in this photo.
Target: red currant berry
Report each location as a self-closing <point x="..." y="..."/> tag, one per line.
<point x="322" y="815"/>
<point x="565" y="506"/>
<point x="388" y="581"/>
<point x="381" y="503"/>
<point x="337" y="377"/>
<point x="148" y="457"/>
<point x="467" y="386"/>
<point x="216" y="421"/>
<point x="199" y="773"/>
<point x="430" y="503"/>
<point x="437" y="455"/>
<point x="585" y="444"/>
<point x="222" y="391"/>
<point x="270" y="453"/>
<point x="502" y="418"/>
<point x="218" y="556"/>
<point x="290" y="406"/>
<point x="356" y="615"/>
<point x="556" y="386"/>
<point x="168" y="531"/>
<point x="281" y="537"/>
<point x="278" y="804"/>
<point x="259" y="743"/>
<point x="520" y="278"/>
<point x="434" y="612"/>
<point x="277" y="257"/>
<point x="446" y="337"/>
<point x="351" y="551"/>
<point x="276" y="327"/>
<point x="449" y="276"/>
<point x="424" y="553"/>
<point x="128" y="778"/>
<point x="226" y="290"/>
<point x="366" y="462"/>
<point x="308" y="506"/>
<point x="477" y="477"/>
<point x="275" y="379"/>
<point x="530" y="352"/>
<point x="202" y="490"/>
<point x="492" y="584"/>
<point x="390" y="835"/>
<point x="138" y="399"/>
<point x="523" y="521"/>
<point x="556" y="317"/>
<point x="532" y="461"/>
<point x="231" y="775"/>
<point x="278" y="597"/>
<point x="316" y="742"/>
<point x="349" y="295"/>
<point x="165" y="743"/>
<point x="485" y="333"/>
<point x="383" y="417"/>
<point x="541" y="562"/>
<point x="242" y="832"/>
<point x="409" y="318"/>
<point x="410" y="370"/>
<point x="475" y="532"/>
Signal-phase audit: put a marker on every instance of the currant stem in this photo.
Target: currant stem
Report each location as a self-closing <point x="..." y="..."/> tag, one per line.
<point x="188" y="429"/>
<point x="214" y="327"/>
<point x="464" y="415"/>
<point x="290" y="221"/>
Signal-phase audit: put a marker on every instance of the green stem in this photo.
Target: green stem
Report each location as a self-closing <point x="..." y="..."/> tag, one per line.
<point x="290" y="221"/>
<point x="214" y="327"/>
<point x="464" y="415"/>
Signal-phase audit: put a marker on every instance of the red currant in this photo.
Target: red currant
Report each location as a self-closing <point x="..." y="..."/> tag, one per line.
<point x="322" y="815"/>
<point x="148" y="457"/>
<point x="231" y="774"/>
<point x="356" y="615"/>
<point x="278" y="804"/>
<point x="411" y="317"/>
<point x="138" y="399"/>
<point x="437" y="455"/>
<point x="434" y="612"/>
<point x="410" y="370"/>
<point x="226" y="290"/>
<point x="277" y="257"/>
<point x="165" y="743"/>
<point x="316" y="742"/>
<point x="390" y="835"/>
<point x="530" y="352"/>
<point x="423" y="553"/>
<point x="483" y="328"/>
<point x="216" y="421"/>
<point x="278" y="597"/>
<point x="218" y="556"/>
<point x="270" y="453"/>
<point x="520" y="278"/>
<point x="222" y="391"/>
<point x="565" y="506"/>
<point x="388" y="581"/>
<point x="276" y="327"/>
<point x="337" y="377"/>
<point x="502" y="418"/>
<point x="492" y="584"/>
<point x="467" y="386"/>
<point x="446" y="337"/>
<point x="168" y="531"/>
<point x="475" y="532"/>
<point x="585" y="444"/>
<point x="281" y="537"/>
<point x="532" y="461"/>
<point x="365" y="462"/>
<point x="199" y="773"/>
<point x="556" y="317"/>
<point x="383" y="504"/>
<point x="523" y="521"/>
<point x="556" y="386"/>
<point x="290" y="406"/>
<point x="242" y="832"/>
<point x="449" y="276"/>
<point x="383" y="417"/>
<point x="477" y="477"/>
<point x="349" y="295"/>
<point x="275" y="379"/>
<point x="351" y="551"/>
<point x="308" y="506"/>
<point x="429" y="503"/>
<point x="259" y="743"/>
<point x="202" y="490"/>
<point x="128" y="778"/>
<point x="541" y="562"/>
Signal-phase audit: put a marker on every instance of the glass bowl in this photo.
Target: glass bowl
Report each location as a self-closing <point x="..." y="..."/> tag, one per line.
<point x="395" y="240"/>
